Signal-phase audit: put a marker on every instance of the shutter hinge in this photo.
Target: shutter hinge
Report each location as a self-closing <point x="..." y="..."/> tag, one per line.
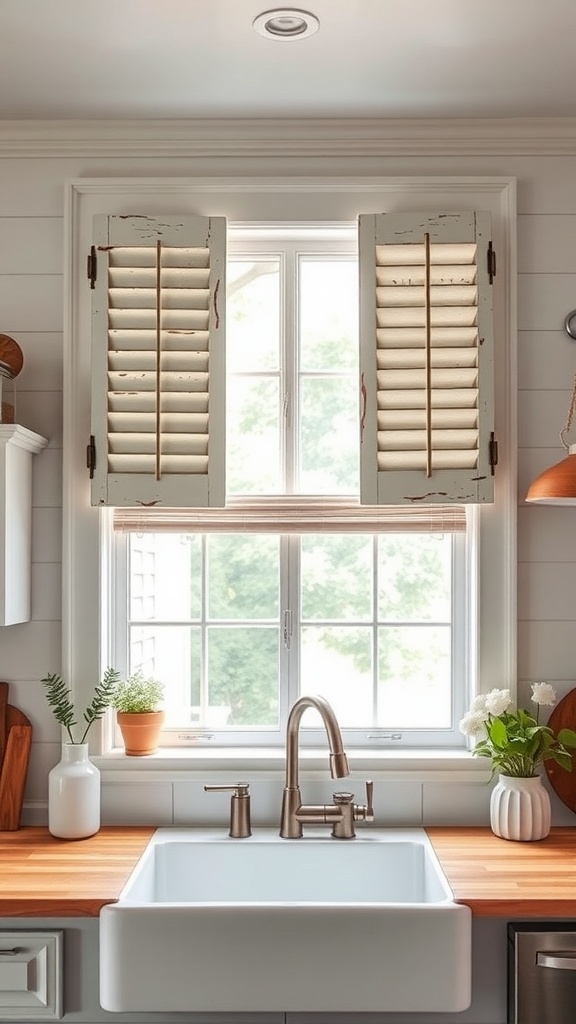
<point x="92" y="266"/>
<point x="491" y="259"/>
<point x="91" y="455"/>
<point x="492" y="452"/>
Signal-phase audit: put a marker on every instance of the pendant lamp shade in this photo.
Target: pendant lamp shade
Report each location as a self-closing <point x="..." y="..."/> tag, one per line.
<point x="557" y="484"/>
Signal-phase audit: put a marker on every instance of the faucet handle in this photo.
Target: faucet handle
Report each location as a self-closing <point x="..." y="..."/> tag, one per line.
<point x="365" y="812"/>
<point x="239" y="807"/>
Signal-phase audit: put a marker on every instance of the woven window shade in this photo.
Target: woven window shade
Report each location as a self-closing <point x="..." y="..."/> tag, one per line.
<point x="294" y="515"/>
<point x="159" y="306"/>
<point x="428" y="327"/>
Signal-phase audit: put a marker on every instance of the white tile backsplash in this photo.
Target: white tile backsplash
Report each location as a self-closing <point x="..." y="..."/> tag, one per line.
<point x="136" y="803"/>
<point x="456" y="804"/>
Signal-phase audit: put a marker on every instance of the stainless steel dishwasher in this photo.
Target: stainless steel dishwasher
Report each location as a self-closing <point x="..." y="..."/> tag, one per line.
<point x="541" y="972"/>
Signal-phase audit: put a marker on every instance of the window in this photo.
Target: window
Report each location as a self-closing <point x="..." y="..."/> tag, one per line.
<point x="239" y="624"/>
<point x="475" y="579"/>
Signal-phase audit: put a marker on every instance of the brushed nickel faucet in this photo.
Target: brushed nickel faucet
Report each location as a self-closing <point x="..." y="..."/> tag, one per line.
<point x="343" y="812"/>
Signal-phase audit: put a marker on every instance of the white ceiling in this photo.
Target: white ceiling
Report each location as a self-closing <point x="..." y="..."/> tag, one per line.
<point x="371" y="58"/>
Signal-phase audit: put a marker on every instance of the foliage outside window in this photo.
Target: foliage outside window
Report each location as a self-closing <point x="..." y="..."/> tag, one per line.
<point x="238" y="624"/>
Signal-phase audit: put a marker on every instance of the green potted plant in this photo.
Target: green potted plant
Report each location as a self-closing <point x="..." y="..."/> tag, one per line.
<point x="517" y="744"/>
<point x="74" y="783"/>
<point x="137" y="701"/>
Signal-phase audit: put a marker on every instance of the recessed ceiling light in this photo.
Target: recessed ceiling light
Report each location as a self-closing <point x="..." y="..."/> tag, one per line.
<point x="286" y="23"/>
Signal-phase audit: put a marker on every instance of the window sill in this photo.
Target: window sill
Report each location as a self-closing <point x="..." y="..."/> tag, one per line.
<point x="183" y="763"/>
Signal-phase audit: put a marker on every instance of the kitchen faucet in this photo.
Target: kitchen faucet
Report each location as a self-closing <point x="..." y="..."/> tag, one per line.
<point x="343" y="812"/>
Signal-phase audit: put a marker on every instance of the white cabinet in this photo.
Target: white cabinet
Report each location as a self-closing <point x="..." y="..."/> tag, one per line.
<point x="30" y="975"/>
<point x="17" y="447"/>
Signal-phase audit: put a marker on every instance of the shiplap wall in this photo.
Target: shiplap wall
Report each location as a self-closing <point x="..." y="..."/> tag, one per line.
<point x="31" y="310"/>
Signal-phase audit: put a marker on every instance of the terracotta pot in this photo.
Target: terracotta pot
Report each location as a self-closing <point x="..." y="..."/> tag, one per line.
<point x="140" y="731"/>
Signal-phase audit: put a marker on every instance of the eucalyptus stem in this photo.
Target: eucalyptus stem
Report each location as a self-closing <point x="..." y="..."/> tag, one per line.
<point x="59" y="698"/>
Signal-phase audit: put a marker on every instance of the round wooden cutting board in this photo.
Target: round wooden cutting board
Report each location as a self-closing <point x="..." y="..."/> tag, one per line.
<point x="564" y="783"/>
<point x="11" y="356"/>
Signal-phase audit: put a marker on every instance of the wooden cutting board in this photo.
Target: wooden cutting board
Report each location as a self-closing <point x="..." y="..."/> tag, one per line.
<point x="15" y="742"/>
<point x="564" y="783"/>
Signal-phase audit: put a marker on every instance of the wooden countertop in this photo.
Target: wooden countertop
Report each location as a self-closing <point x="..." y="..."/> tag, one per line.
<point x="41" y="876"/>
<point x="499" y="878"/>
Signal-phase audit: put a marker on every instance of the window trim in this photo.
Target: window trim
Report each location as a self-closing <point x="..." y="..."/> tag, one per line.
<point x="335" y="199"/>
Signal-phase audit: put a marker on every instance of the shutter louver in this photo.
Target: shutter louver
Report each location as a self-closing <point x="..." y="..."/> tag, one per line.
<point x="158" y="361"/>
<point x="426" y="358"/>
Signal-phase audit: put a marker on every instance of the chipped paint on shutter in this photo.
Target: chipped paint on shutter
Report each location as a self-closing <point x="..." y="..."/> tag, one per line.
<point x="158" y="363"/>
<point x="429" y="408"/>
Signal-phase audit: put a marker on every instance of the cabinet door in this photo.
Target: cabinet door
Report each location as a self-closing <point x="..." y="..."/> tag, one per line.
<point x="30" y="975"/>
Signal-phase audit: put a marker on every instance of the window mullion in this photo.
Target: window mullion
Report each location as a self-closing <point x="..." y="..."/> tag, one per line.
<point x="289" y="356"/>
<point x="290" y="587"/>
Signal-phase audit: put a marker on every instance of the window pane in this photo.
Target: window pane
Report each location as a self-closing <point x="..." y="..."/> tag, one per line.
<point x="243" y="674"/>
<point x="172" y="654"/>
<point x="243" y="576"/>
<point x="328" y="314"/>
<point x="164" y="576"/>
<point x="253" y="314"/>
<point x="414" y="686"/>
<point x="337" y="662"/>
<point x="414" y="577"/>
<point x="253" y="435"/>
<point x="329" y="435"/>
<point x="336" y="577"/>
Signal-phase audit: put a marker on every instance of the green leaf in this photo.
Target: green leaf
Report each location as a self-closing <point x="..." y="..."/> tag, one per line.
<point x="564" y="759"/>
<point x="498" y="733"/>
<point x="567" y="737"/>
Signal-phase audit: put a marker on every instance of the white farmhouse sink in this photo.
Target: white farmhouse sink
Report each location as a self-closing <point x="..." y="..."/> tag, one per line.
<point x="206" y="922"/>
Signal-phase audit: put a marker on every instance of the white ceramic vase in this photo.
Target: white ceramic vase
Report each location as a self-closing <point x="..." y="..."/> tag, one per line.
<point x="520" y="809"/>
<point x="74" y="794"/>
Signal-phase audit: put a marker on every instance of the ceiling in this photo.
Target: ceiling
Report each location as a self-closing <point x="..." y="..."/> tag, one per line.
<point x="370" y="58"/>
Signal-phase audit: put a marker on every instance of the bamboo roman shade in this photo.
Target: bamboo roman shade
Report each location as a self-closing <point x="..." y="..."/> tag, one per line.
<point x="426" y="358"/>
<point x="158" y="361"/>
<point x="293" y="514"/>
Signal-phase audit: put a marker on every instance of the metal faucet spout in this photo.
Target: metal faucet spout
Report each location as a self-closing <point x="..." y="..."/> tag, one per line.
<point x="291" y="823"/>
<point x="338" y="760"/>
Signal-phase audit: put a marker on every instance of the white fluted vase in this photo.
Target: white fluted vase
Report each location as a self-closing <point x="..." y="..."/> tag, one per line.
<point x="74" y="794"/>
<point x="520" y="809"/>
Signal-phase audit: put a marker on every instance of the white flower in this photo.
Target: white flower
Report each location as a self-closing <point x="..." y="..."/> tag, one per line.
<point x="498" y="701"/>
<point x="543" y="693"/>
<point x="473" y="724"/>
<point x="479" y="705"/>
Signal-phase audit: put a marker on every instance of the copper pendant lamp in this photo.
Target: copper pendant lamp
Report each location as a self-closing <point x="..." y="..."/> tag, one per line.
<point x="557" y="485"/>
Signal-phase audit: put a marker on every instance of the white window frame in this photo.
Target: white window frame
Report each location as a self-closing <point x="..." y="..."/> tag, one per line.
<point x="289" y="244"/>
<point x="333" y="200"/>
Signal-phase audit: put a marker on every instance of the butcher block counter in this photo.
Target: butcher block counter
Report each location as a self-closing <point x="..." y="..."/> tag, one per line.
<point x="41" y="876"/>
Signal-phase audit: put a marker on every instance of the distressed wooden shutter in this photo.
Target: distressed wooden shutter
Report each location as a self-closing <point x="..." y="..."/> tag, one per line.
<point x="158" y="361"/>
<point x="426" y="358"/>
